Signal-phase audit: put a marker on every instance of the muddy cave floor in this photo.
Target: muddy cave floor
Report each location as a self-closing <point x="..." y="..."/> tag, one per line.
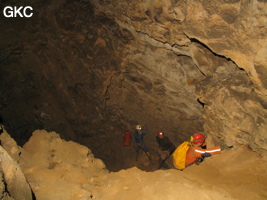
<point x="237" y="174"/>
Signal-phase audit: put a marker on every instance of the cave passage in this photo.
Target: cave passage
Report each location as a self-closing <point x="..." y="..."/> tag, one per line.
<point x="92" y="70"/>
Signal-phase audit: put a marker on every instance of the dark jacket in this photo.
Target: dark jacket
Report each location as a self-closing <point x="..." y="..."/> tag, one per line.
<point x="139" y="137"/>
<point x="165" y="144"/>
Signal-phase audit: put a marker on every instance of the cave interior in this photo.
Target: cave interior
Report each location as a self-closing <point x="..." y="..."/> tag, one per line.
<point x="92" y="70"/>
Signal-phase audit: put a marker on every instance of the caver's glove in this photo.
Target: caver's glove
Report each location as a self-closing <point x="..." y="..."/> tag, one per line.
<point x="199" y="160"/>
<point x="224" y="146"/>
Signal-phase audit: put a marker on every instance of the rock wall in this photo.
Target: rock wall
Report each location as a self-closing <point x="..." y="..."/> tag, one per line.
<point x="57" y="169"/>
<point x="91" y="70"/>
<point x="13" y="184"/>
<point x="226" y="42"/>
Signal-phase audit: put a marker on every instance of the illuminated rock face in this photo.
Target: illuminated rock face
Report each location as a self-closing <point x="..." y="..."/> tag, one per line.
<point x="91" y="71"/>
<point x="13" y="183"/>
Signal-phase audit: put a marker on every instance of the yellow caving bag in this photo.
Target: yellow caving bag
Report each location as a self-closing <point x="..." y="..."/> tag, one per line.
<point x="179" y="155"/>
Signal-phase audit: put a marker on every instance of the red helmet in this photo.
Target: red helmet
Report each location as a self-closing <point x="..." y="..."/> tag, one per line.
<point x="160" y="133"/>
<point x="198" y="138"/>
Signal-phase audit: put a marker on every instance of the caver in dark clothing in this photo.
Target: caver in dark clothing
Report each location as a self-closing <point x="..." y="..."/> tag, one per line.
<point x="139" y="141"/>
<point x="165" y="149"/>
<point x="140" y="144"/>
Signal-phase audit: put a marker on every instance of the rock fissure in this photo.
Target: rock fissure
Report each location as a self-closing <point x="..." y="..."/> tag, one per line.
<point x="182" y="50"/>
<point x="107" y="88"/>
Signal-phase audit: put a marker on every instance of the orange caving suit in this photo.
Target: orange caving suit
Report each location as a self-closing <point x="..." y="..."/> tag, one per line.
<point x="194" y="153"/>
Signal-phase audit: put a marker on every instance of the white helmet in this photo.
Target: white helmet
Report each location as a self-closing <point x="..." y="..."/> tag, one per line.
<point x="138" y="127"/>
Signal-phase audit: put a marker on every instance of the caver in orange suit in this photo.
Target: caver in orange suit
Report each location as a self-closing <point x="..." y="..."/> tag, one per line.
<point x="197" y="151"/>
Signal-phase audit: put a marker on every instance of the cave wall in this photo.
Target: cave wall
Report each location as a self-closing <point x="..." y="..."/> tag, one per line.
<point x="90" y="70"/>
<point x="227" y="43"/>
